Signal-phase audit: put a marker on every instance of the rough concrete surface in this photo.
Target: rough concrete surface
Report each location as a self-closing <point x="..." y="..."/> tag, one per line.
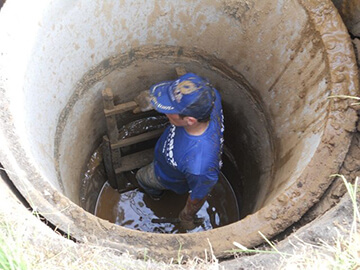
<point x="350" y="169"/>
<point x="356" y="43"/>
<point x="350" y="12"/>
<point x="48" y="134"/>
<point x="291" y="201"/>
<point x="44" y="249"/>
<point x="326" y="228"/>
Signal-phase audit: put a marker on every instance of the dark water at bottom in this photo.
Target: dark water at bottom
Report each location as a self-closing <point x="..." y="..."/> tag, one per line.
<point x="135" y="209"/>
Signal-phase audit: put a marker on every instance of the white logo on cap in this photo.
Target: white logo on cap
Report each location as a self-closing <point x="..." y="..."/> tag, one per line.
<point x="160" y="106"/>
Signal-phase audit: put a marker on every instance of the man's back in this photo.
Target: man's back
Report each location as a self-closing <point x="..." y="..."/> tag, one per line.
<point x="186" y="162"/>
<point x="188" y="154"/>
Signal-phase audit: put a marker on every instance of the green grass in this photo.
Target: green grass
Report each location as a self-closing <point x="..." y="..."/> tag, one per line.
<point x="11" y="257"/>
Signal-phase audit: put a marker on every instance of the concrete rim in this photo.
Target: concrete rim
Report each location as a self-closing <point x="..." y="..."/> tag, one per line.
<point x="289" y="207"/>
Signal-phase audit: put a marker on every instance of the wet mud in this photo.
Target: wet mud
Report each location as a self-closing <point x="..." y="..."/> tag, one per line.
<point x="134" y="209"/>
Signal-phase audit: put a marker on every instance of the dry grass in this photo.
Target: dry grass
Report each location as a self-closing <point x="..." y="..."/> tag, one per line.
<point x="25" y="247"/>
<point x="342" y="253"/>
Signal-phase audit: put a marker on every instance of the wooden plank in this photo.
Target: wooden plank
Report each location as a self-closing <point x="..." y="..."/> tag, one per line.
<point x="121" y="108"/>
<point x="108" y="162"/>
<point x="180" y="71"/>
<point x="112" y="129"/>
<point x="139" y="138"/>
<point x="135" y="161"/>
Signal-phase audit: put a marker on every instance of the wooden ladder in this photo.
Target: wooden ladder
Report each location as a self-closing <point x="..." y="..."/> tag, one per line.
<point x="115" y="164"/>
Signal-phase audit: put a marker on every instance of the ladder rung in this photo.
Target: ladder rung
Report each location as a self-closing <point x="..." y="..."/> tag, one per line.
<point x="135" y="161"/>
<point x="139" y="138"/>
<point x="121" y="108"/>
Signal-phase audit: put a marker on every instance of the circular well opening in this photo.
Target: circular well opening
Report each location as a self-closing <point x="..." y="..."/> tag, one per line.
<point x="275" y="65"/>
<point x="248" y="153"/>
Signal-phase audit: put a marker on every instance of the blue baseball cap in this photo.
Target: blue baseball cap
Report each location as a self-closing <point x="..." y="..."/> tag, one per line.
<point x="189" y="95"/>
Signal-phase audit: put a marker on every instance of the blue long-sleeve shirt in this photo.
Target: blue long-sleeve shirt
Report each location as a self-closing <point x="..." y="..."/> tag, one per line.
<point x="185" y="162"/>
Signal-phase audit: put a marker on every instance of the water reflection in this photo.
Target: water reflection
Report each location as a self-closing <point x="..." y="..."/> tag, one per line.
<point x="136" y="210"/>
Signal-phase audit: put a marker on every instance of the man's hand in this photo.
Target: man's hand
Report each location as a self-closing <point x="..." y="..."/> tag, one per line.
<point x="144" y="102"/>
<point x="186" y="221"/>
<point x="187" y="215"/>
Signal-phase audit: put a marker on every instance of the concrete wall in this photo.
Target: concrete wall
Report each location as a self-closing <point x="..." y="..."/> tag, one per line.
<point x="288" y="57"/>
<point x="350" y="12"/>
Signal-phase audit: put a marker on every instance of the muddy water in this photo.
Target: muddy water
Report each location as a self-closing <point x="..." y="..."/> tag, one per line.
<point x="145" y="124"/>
<point x="134" y="209"/>
<point x="94" y="175"/>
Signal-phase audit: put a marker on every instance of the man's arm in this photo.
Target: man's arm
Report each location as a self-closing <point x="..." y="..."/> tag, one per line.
<point x="187" y="215"/>
<point x="200" y="186"/>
